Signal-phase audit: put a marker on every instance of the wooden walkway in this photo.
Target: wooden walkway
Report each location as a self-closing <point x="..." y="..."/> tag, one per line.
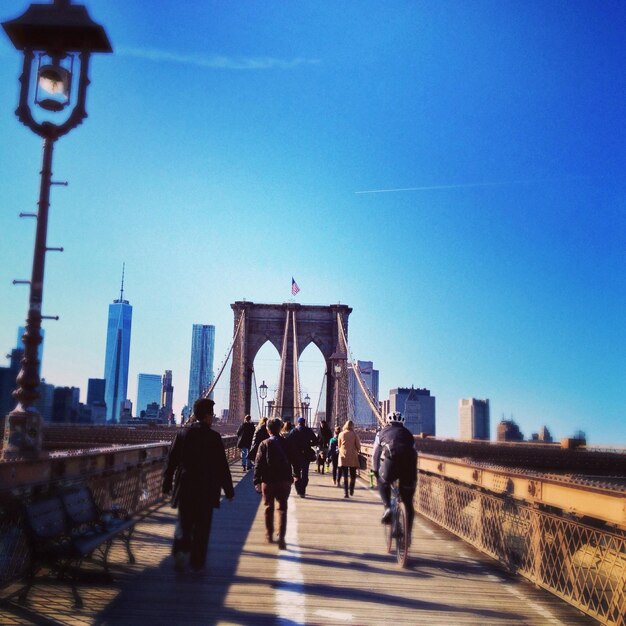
<point x="335" y="571"/>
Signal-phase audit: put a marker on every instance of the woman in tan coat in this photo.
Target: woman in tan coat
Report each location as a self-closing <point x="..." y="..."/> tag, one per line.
<point x="349" y="446"/>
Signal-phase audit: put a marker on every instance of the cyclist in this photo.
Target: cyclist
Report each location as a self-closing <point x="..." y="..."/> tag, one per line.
<point x="395" y="458"/>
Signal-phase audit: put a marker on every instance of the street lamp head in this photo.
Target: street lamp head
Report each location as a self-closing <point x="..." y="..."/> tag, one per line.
<point x="263" y="390"/>
<point x="60" y="38"/>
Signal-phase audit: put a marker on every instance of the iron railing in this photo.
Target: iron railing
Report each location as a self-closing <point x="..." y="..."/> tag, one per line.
<point x="127" y="478"/>
<point x="582" y="561"/>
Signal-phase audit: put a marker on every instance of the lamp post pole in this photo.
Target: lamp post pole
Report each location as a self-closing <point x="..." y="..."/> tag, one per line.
<point x="60" y="35"/>
<point x="23" y="435"/>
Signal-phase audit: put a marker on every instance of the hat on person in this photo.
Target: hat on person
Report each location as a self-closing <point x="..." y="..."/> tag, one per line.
<point x="301" y="420"/>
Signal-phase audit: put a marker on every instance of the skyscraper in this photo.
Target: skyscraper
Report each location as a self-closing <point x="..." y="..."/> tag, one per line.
<point x="117" y="354"/>
<point x="363" y="414"/>
<point x="201" y="366"/>
<point x="148" y="391"/>
<point x="167" y="396"/>
<point x="473" y="419"/>
<point x="417" y="406"/>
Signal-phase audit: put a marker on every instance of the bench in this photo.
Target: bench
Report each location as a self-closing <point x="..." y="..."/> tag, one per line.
<point x="65" y="529"/>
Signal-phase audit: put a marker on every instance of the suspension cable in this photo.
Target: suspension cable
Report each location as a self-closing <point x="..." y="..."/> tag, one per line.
<point x="209" y="391"/>
<point x="357" y="372"/>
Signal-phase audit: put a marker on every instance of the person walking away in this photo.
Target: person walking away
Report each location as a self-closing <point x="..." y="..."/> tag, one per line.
<point x="302" y="438"/>
<point x="394" y="457"/>
<point x="259" y="435"/>
<point x="333" y="456"/>
<point x="273" y="479"/>
<point x="349" y="446"/>
<point x="286" y="429"/>
<point x="245" y="432"/>
<point x="198" y="459"/>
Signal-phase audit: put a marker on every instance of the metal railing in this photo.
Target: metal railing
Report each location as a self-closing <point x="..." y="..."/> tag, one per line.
<point x="123" y="477"/>
<point x="582" y="562"/>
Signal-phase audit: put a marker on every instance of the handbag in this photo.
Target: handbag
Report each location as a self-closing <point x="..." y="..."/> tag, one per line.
<point x="362" y="461"/>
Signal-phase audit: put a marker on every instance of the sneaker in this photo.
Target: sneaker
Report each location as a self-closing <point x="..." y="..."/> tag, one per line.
<point x="386" y="518"/>
<point x="346" y="496"/>
<point x="269" y="539"/>
<point x="281" y="544"/>
<point x="180" y="560"/>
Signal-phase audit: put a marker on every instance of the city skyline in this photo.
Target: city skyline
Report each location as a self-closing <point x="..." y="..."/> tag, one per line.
<point x="454" y="172"/>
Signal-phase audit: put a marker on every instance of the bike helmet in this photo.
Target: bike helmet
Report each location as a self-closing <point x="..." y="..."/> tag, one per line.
<point x="395" y="416"/>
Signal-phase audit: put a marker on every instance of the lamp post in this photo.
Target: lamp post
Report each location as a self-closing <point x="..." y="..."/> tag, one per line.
<point x="305" y="406"/>
<point x="57" y="41"/>
<point x="337" y="368"/>
<point x="263" y="394"/>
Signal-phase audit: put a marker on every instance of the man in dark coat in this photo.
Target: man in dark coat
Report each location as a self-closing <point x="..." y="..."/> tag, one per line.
<point x="301" y="439"/>
<point x="244" y="441"/>
<point x="198" y="459"/>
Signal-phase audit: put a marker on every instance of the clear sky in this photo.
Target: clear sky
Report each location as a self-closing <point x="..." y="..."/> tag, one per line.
<point x="454" y="171"/>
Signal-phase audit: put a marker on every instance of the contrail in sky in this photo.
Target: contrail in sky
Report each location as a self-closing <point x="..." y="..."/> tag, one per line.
<point x="217" y="61"/>
<point x="469" y="185"/>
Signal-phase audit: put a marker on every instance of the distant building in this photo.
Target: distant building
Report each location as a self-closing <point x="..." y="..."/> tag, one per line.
<point x="65" y="405"/>
<point x="148" y="391"/>
<point x="8" y="377"/>
<point x="117" y="355"/>
<point x="474" y="419"/>
<point x="167" y="396"/>
<point x="508" y="430"/>
<point x="362" y="413"/>
<point x="95" y="400"/>
<point x="126" y="411"/>
<point x="45" y="402"/>
<point x="201" y="365"/>
<point x="418" y="408"/>
<point x="542" y="436"/>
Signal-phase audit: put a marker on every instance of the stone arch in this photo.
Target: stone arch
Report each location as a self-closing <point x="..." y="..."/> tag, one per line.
<point x="267" y="322"/>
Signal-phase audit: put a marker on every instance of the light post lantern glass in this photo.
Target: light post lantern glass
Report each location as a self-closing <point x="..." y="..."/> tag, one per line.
<point x="263" y="395"/>
<point x="56" y="40"/>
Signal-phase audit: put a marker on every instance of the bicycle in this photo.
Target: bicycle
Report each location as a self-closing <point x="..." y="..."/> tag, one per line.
<point x="398" y="527"/>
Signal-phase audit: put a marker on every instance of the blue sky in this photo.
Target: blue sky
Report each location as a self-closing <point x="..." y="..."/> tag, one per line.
<point x="226" y="149"/>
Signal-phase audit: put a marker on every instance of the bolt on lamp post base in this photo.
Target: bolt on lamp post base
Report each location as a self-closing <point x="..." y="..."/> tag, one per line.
<point x="23" y="436"/>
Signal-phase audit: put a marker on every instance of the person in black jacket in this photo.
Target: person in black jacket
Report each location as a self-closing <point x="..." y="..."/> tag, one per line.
<point x="302" y="438"/>
<point x="198" y="459"/>
<point x="245" y="432"/>
<point x="394" y="458"/>
<point x="272" y="478"/>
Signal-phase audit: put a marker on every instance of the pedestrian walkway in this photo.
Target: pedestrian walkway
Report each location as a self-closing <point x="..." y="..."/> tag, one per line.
<point x="335" y="571"/>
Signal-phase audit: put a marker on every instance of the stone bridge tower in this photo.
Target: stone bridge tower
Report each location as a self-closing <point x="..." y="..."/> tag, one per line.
<point x="274" y="323"/>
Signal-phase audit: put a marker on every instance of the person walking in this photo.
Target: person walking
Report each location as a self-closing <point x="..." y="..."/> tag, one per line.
<point x="333" y="455"/>
<point x="302" y="438"/>
<point x="273" y="479"/>
<point x="259" y="435"/>
<point x="349" y="446"/>
<point x="245" y="432"/>
<point x="198" y="459"/>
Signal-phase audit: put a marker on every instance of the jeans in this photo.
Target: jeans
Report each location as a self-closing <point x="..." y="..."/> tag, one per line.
<point x="343" y="473"/>
<point x="245" y="462"/>
<point x="301" y="471"/>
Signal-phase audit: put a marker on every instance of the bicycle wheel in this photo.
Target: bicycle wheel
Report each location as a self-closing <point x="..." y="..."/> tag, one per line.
<point x="402" y="529"/>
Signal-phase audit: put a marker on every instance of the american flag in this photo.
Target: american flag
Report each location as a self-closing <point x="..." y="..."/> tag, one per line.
<point x="294" y="286"/>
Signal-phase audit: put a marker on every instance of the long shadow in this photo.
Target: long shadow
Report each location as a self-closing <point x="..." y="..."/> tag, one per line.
<point x="194" y="599"/>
